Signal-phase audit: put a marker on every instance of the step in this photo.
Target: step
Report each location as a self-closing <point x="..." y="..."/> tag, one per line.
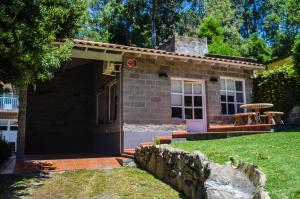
<point x="259" y="127"/>
<point x="179" y="134"/>
<point x="143" y="144"/>
<point x="164" y="139"/>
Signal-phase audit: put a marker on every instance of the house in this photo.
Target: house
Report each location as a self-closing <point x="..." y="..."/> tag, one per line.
<point x="109" y="97"/>
<point x="9" y="102"/>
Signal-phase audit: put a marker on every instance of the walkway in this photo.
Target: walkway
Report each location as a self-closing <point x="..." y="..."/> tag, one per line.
<point x="54" y="163"/>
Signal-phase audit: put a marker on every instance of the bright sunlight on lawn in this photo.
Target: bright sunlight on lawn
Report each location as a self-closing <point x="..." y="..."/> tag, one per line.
<point x="114" y="183"/>
<point x="278" y="154"/>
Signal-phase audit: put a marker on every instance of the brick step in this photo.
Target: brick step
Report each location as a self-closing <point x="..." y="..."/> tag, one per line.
<point x="243" y="128"/>
<point x="179" y="134"/>
<point x="146" y="144"/>
<point x="164" y="139"/>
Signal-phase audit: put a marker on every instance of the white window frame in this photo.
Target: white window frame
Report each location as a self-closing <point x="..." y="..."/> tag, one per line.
<point x="235" y="93"/>
<point x="183" y="107"/>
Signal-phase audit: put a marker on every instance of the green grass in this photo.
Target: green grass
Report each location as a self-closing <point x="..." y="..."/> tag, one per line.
<point x="113" y="183"/>
<point x="277" y="154"/>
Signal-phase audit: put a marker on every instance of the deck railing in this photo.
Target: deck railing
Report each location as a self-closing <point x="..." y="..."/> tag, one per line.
<point x="9" y="103"/>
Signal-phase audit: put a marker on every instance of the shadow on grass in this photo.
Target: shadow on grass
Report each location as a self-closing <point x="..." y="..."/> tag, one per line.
<point x="18" y="186"/>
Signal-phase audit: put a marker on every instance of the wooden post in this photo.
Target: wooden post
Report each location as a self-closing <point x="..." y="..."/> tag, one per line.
<point x="21" y="122"/>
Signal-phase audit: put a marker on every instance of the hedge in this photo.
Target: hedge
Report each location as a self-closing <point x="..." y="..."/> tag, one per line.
<point x="279" y="86"/>
<point x="4" y="150"/>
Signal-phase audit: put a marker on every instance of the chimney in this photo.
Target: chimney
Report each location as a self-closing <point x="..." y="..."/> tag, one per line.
<point x="186" y="45"/>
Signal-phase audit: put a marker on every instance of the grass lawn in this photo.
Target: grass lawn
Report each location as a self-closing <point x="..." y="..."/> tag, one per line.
<point x="277" y="154"/>
<point x="104" y="184"/>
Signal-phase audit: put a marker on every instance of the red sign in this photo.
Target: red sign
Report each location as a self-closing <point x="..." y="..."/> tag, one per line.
<point x="131" y="63"/>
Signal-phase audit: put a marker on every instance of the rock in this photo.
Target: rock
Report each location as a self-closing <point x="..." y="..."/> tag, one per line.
<point x="261" y="194"/>
<point x="254" y="174"/>
<point x="197" y="177"/>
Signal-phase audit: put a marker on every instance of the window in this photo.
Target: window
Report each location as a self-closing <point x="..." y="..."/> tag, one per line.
<point x="4" y="125"/>
<point x="186" y="99"/>
<point x="232" y="95"/>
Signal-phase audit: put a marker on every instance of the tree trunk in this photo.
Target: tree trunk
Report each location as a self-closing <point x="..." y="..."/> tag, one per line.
<point x="21" y="122"/>
<point x="153" y="31"/>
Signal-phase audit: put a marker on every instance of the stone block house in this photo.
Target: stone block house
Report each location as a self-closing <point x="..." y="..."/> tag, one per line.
<point x="109" y="97"/>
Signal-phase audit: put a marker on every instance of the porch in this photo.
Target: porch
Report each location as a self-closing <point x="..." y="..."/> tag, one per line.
<point x="47" y="163"/>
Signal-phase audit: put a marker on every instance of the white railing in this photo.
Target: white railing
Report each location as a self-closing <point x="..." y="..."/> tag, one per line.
<point x="9" y="103"/>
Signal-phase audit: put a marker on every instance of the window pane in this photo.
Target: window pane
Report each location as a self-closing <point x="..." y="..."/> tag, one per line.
<point x="223" y="96"/>
<point x="197" y="89"/>
<point x="187" y="100"/>
<point x="187" y="88"/>
<point x="188" y="113"/>
<point x="224" y="108"/>
<point x="3" y="122"/>
<point x="198" y="113"/>
<point x="197" y="100"/>
<point x="230" y="96"/>
<point x="230" y="85"/>
<point x="222" y="84"/>
<point x="231" y="109"/>
<point x="3" y="128"/>
<point x="239" y="109"/>
<point x="176" y="113"/>
<point x="176" y="100"/>
<point x="239" y="97"/>
<point x="176" y="86"/>
<point x="13" y="128"/>
<point x="239" y="85"/>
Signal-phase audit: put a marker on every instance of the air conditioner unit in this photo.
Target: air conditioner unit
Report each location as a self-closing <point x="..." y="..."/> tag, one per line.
<point x="111" y="68"/>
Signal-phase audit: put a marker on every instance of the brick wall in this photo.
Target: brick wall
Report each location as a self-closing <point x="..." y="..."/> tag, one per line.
<point x="147" y="98"/>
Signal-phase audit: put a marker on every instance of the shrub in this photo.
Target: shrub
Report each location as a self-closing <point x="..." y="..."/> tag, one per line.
<point x="4" y="150"/>
<point x="280" y="86"/>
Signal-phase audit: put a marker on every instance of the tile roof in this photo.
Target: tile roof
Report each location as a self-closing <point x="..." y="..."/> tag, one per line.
<point x="123" y="48"/>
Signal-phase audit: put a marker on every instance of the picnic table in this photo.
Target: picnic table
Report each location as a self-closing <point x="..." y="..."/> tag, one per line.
<point x="274" y="117"/>
<point x="257" y="107"/>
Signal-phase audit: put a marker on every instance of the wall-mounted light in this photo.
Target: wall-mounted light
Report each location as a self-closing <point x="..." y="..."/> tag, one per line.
<point x="162" y="73"/>
<point x="213" y="79"/>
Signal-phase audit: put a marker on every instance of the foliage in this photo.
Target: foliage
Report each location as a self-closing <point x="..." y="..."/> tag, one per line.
<point x="219" y="46"/>
<point x="257" y="48"/>
<point x="28" y="29"/>
<point x="211" y="29"/>
<point x="279" y="85"/>
<point x="4" y="150"/>
<point x="296" y="53"/>
<point x="106" y="183"/>
<point x="277" y="154"/>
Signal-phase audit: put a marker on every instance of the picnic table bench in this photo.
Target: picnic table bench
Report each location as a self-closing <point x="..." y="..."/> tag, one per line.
<point x="274" y="117"/>
<point x="239" y="118"/>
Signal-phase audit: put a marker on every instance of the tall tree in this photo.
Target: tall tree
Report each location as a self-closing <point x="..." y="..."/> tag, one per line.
<point x="27" y="31"/>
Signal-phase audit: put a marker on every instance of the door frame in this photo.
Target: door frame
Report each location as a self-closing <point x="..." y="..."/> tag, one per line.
<point x="204" y="100"/>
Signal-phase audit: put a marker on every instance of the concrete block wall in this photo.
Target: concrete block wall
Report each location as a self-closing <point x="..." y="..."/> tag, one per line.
<point x="147" y="97"/>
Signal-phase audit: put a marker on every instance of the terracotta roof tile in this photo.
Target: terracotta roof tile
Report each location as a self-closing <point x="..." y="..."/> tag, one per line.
<point x="162" y="52"/>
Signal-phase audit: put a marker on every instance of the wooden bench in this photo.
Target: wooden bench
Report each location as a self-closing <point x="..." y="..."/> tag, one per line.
<point x="239" y="118"/>
<point x="274" y="117"/>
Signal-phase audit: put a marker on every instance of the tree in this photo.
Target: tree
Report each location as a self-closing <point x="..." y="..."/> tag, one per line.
<point x="256" y="47"/>
<point x="296" y="54"/>
<point x="28" y="55"/>
<point x="211" y="29"/>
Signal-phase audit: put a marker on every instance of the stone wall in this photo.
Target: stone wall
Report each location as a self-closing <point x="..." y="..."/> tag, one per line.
<point x="197" y="177"/>
<point x="147" y="97"/>
<point x="186" y="45"/>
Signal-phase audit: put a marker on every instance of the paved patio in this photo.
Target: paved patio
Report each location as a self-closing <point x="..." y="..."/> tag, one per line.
<point x="54" y="163"/>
